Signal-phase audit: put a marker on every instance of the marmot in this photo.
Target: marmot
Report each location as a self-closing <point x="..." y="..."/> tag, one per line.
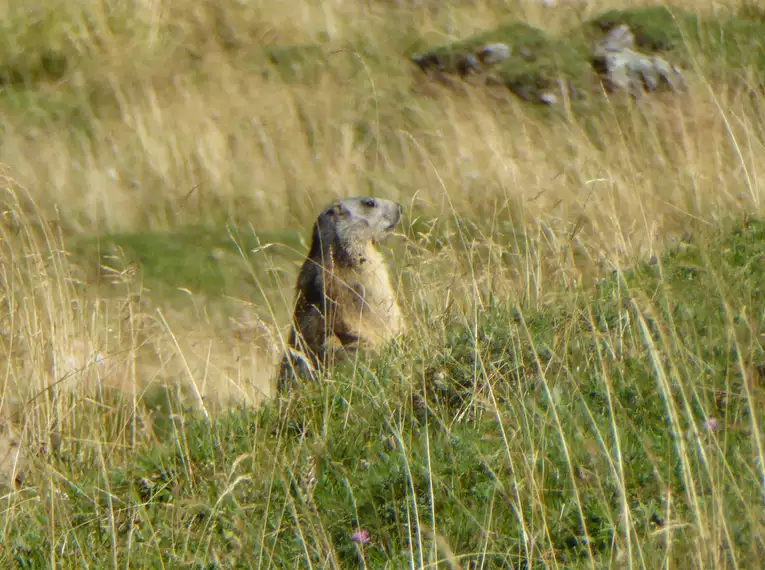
<point x="343" y="288"/>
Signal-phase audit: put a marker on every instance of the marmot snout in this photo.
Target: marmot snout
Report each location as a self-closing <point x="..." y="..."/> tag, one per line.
<point x="343" y="289"/>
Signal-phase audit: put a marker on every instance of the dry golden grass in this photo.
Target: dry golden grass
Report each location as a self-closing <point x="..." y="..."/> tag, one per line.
<point x="171" y="122"/>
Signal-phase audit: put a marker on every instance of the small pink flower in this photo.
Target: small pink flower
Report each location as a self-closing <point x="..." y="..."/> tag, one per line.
<point x="712" y="424"/>
<point x="361" y="536"/>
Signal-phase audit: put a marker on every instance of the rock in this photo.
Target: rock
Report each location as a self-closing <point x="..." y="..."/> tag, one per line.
<point x="462" y="63"/>
<point x="493" y="53"/>
<point x="669" y="73"/>
<point x="625" y="69"/>
<point x="515" y="55"/>
<point x="544" y="70"/>
<point x="548" y="98"/>
<point x="427" y="61"/>
<point x="619" y="38"/>
<point x="467" y="64"/>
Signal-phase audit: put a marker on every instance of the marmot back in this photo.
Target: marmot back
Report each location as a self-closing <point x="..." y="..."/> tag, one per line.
<point x="343" y="288"/>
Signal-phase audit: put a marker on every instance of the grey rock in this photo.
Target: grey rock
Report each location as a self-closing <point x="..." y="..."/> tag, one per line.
<point x="467" y="64"/>
<point x="548" y="98"/>
<point x="462" y="64"/>
<point x="626" y="69"/>
<point x="427" y="61"/>
<point x="493" y="53"/>
<point x="619" y="38"/>
<point x="439" y="64"/>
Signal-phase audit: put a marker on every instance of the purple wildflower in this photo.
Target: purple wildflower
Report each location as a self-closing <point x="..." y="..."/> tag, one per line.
<point x="712" y="424"/>
<point x="361" y="536"/>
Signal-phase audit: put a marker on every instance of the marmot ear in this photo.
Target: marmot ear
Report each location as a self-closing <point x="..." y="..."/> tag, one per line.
<point x="341" y="211"/>
<point x="324" y="220"/>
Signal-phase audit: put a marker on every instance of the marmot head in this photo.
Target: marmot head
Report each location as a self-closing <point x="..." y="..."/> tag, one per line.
<point x="347" y="227"/>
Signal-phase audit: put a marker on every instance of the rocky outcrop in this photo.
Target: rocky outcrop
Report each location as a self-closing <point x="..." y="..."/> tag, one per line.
<point x="538" y="69"/>
<point x="625" y="69"/>
<point x="462" y="64"/>
<point x="516" y="56"/>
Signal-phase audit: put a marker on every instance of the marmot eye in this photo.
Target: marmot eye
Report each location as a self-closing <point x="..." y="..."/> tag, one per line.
<point x="368" y="202"/>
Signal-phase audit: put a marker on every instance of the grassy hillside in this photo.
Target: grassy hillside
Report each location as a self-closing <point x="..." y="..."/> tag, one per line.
<point x="582" y="382"/>
<point x="612" y="426"/>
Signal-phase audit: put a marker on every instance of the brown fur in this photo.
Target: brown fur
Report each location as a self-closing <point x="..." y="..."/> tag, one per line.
<point x="343" y="289"/>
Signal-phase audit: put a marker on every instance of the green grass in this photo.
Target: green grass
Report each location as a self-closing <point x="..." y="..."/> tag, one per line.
<point x="526" y="437"/>
<point x="206" y="260"/>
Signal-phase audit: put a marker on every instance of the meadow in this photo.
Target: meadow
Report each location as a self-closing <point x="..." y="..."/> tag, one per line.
<point x="583" y="378"/>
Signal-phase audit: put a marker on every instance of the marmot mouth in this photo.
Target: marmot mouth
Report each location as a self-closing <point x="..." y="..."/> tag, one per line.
<point x="385" y="232"/>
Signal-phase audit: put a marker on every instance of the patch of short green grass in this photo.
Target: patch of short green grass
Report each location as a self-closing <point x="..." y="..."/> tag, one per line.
<point x="207" y="260"/>
<point x="616" y="424"/>
<point x="41" y="109"/>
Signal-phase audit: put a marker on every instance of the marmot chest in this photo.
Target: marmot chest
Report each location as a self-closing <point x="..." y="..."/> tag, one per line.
<point x="364" y="299"/>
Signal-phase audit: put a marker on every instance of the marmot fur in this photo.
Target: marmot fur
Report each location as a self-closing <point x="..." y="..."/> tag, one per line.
<point x="343" y="288"/>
